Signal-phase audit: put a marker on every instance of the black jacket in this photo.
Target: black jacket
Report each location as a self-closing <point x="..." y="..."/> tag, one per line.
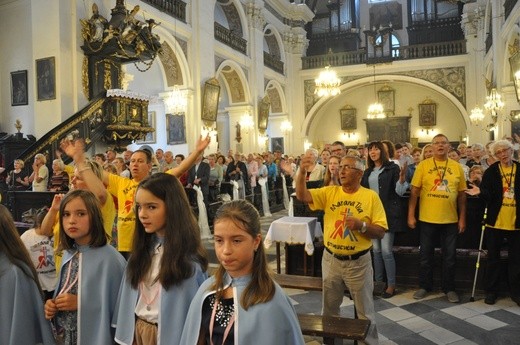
<point x="391" y="201"/>
<point x="492" y="192"/>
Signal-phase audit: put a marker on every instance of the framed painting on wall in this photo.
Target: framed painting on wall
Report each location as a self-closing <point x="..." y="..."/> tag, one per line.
<point x="277" y="144"/>
<point x="348" y="119"/>
<point x="386" y="96"/>
<point x="150" y="138"/>
<point x="515" y="126"/>
<point x="176" y="129"/>
<point x="19" y="88"/>
<point x="46" y="79"/>
<point x="263" y="113"/>
<point x="427" y="114"/>
<point x="210" y="99"/>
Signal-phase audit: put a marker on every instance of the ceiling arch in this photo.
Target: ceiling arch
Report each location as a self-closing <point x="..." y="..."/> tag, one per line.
<point x="363" y="82"/>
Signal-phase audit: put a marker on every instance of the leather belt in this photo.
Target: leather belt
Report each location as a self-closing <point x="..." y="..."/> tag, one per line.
<point x="348" y="257"/>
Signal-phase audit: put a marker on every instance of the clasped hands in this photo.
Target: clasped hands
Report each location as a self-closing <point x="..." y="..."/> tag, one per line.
<point x="63" y="302"/>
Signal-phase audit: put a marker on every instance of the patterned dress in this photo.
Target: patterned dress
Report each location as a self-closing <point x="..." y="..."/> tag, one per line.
<point x="67" y="321"/>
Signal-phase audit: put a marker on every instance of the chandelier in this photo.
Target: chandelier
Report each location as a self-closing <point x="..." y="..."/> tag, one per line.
<point x="176" y="101"/>
<point x="286" y="126"/>
<point x="246" y="122"/>
<point x="327" y="83"/>
<point x="494" y="102"/>
<point x="375" y="110"/>
<point x="476" y="116"/>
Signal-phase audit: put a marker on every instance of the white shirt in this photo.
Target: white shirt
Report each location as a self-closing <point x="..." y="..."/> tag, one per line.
<point x="41" y="251"/>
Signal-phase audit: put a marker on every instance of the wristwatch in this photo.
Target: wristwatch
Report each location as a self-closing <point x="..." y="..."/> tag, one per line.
<point x="363" y="228"/>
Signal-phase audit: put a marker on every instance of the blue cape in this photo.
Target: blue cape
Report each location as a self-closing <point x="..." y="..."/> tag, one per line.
<point x="174" y="304"/>
<point x="101" y="270"/>
<point x="274" y="322"/>
<point x="22" y="319"/>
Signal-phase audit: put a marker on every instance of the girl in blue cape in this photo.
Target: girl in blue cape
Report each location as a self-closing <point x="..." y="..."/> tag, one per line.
<point x="91" y="271"/>
<point x="21" y="299"/>
<point x="240" y="304"/>
<point x="167" y="265"/>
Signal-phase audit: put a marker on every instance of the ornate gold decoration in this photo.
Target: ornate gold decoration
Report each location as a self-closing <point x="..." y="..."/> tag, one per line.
<point x="18" y="125"/>
<point x="84" y="77"/>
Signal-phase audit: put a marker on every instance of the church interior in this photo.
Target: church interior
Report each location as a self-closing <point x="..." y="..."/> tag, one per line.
<point x="258" y="76"/>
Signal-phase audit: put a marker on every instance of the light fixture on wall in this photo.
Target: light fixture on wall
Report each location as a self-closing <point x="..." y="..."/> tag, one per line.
<point x="348" y="135"/>
<point x="514" y="62"/>
<point x="327" y="83"/>
<point x="306" y="145"/>
<point x="494" y="104"/>
<point x="476" y="116"/>
<point x="176" y="101"/>
<point x="246" y="122"/>
<point x="286" y="127"/>
<point x="375" y="110"/>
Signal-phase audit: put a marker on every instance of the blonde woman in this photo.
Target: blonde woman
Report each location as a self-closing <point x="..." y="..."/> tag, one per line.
<point x="17" y="178"/>
<point x="40" y="174"/>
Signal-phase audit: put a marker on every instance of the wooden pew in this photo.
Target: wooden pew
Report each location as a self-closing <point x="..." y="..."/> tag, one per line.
<point x="333" y="327"/>
<point x="328" y="327"/>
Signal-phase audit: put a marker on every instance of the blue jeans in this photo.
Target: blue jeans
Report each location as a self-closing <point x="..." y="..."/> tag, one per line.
<point x="448" y="236"/>
<point x="384" y="258"/>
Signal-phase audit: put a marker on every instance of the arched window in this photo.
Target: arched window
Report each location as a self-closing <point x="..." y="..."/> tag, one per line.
<point x="395" y="44"/>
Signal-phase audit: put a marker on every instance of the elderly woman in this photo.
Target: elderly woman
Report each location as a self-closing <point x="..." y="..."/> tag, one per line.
<point x="59" y="180"/>
<point x="40" y="174"/>
<point x="500" y="189"/>
<point x="17" y="179"/>
<point x="216" y="176"/>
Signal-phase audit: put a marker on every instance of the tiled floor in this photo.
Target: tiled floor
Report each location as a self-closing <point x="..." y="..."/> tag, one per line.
<point x="433" y="320"/>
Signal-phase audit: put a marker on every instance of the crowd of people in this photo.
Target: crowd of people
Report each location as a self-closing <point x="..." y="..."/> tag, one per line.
<point x="117" y="257"/>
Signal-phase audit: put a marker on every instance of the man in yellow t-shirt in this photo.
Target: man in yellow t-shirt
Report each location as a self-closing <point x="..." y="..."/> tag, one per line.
<point x="439" y="184"/>
<point x="124" y="188"/>
<point x="353" y="216"/>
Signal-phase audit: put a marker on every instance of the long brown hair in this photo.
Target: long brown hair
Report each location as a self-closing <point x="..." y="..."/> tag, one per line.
<point x="384" y="156"/>
<point x="98" y="236"/>
<point x="182" y="243"/>
<point x="328" y="177"/>
<point x="261" y="288"/>
<point x="12" y="246"/>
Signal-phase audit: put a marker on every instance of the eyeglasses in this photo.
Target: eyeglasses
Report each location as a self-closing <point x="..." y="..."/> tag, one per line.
<point x="499" y="152"/>
<point x="348" y="167"/>
<point x="440" y="143"/>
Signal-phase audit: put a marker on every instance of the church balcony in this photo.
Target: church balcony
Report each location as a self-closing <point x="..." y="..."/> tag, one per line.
<point x="175" y="8"/>
<point x="273" y="62"/>
<point x="418" y="51"/>
<point x="226" y="36"/>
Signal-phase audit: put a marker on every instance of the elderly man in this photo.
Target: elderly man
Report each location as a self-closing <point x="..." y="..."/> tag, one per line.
<point x="353" y="216"/>
<point x="169" y="161"/>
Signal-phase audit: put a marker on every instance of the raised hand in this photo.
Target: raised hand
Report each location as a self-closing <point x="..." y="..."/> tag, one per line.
<point x="73" y="148"/>
<point x="202" y="143"/>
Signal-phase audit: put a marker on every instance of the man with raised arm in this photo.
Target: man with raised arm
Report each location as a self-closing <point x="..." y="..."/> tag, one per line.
<point x="353" y="216"/>
<point x="124" y="188"/>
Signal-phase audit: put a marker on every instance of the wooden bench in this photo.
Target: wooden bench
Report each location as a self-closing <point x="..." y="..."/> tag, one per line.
<point x="299" y="282"/>
<point x="333" y="327"/>
<point x="328" y="327"/>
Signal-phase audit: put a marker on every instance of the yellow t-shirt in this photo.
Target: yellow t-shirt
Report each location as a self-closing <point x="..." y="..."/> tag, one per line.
<point x="108" y="211"/>
<point x="507" y="215"/>
<point x="363" y="204"/>
<point x="124" y="189"/>
<point x="440" y="183"/>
